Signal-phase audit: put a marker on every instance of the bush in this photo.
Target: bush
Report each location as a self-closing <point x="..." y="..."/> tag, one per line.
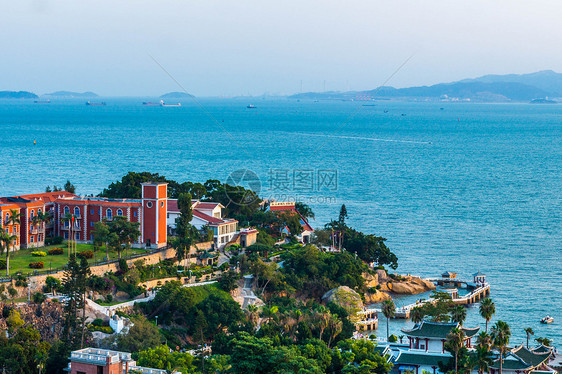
<point x="104" y="329"/>
<point x="55" y="251"/>
<point x="98" y="322"/>
<point x="3" y="264"/>
<point x="392" y="339"/>
<point x="38" y="297"/>
<point x="123" y="267"/>
<point x="86" y="254"/>
<point x="36" y="265"/>
<point x="39" y="254"/>
<point x="108" y="298"/>
<point x="56" y="240"/>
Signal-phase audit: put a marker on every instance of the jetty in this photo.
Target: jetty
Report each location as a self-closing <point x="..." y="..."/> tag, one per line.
<point x="478" y="289"/>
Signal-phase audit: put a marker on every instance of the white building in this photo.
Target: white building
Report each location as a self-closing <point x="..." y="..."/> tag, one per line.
<point x="206" y="214"/>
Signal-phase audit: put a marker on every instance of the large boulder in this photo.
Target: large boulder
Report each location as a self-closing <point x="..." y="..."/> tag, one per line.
<point x="377" y="297"/>
<point x="346" y="298"/>
<point x="410" y="286"/>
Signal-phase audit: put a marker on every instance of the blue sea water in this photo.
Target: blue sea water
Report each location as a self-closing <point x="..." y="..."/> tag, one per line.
<point x="470" y="187"/>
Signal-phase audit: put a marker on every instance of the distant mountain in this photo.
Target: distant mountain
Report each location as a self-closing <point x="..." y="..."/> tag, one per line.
<point x="489" y="88"/>
<point x="71" y="94"/>
<point x="176" y="95"/>
<point x="17" y="95"/>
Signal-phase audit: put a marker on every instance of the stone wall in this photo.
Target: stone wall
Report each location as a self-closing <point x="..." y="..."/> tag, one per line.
<point x="36" y="282"/>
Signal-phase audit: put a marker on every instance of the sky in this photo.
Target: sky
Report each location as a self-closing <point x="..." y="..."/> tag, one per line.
<point x="247" y="47"/>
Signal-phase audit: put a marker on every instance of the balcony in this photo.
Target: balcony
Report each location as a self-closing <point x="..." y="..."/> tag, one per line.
<point x="34" y="231"/>
<point x="77" y="216"/>
<point x="64" y="228"/>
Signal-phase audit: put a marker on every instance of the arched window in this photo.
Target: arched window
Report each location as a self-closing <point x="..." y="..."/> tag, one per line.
<point x="39" y="211"/>
<point x="7" y="217"/>
<point x="66" y="210"/>
<point x="32" y="213"/>
<point x="76" y="211"/>
<point x="109" y="214"/>
<point x="119" y="212"/>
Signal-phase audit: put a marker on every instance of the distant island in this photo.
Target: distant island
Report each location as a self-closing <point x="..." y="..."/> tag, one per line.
<point x="71" y="94"/>
<point x="488" y="88"/>
<point x="543" y="101"/>
<point x="17" y="95"/>
<point x="176" y="95"/>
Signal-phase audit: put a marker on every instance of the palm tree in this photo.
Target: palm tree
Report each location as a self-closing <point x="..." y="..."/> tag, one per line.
<point x="487" y="310"/>
<point x="417" y="314"/>
<point x="14" y="219"/>
<point x="388" y="309"/>
<point x="483" y="359"/>
<point x="4" y="246"/>
<point x="500" y="334"/>
<point x="454" y="342"/>
<point x="68" y="219"/>
<point x="458" y="314"/>
<point x="529" y="331"/>
<point x="484" y="340"/>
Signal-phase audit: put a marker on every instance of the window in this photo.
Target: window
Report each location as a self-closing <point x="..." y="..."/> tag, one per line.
<point x="161" y="204"/>
<point x="31" y="214"/>
<point x="92" y="211"/>
<point x="77" y="211"/>
<point x="119" y="212"/>
<point x="109" y="214"/>
<point x="91" y="223"/>
<point x="149" y="204"/>
<point x="7" y="217"/>
<point x="77" y="236"/>
<point x="135" y="213"/>
<point x="39" y="211"/>
<point x="31" y="238"/>
<point x="66" y="210"/>
<point x="66" y="235"/>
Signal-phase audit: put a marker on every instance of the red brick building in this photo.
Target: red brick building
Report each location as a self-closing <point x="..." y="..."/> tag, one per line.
<point x="149" y="212"/>
<point x="104" y="361"/>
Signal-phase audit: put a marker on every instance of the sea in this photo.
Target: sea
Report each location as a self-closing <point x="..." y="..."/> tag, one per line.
<point x="461" y="187"/>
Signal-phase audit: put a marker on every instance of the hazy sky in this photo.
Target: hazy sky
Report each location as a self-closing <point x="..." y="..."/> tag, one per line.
<point x="254" y="47"/>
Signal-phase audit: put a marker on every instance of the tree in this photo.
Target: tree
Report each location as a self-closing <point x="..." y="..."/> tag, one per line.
<point x="304" y="210"/>
<point x="529" y="331"/>
<point x="458" y="314"/>
<point x="487" y="310"/>
<point x="388" y="309"/>
<point x="343" y="215"/>
<point x="74" y="286"/>
<point x="53" y="284"/>
<point x="184" y="229"/>
<point x="483" y="359"/>
<point x="101" y="235"/>
<point x="69" y="187"/>
<point x="126" y="232"/>
<point x="544" y="341"/>
<point x="228" y="279"/>
<point x="454" y="343"/>
<point x="5" y="242"/>
<point x="141" y="336"/>
<point x="160" y="357"/>
<point x="24" y="352"/>
<point x="484" y="340"/>
<point x="500" y="334"/>
<point x="416" y="314"/>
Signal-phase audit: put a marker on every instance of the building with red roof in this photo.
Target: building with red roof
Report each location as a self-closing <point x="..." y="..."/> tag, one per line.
<point x="206" y="214"/>
<point x="149" y="211"/>
<point x="289" y="206"/>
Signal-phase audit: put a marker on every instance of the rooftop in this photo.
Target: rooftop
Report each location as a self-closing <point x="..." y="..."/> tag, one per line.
<point x="421" y="358"/>
<point x="437" y="330"/>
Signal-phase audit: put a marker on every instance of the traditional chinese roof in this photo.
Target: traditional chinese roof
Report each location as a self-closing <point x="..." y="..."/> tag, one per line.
<point x="207" y="254"/>
<point x="449" y="274"/>
<point x="521" y="358"/>
<point x="437" y="330"/>
<point x="478" y="274"/>
<point x="542" y="348"/>
<point x="421" y="358"/>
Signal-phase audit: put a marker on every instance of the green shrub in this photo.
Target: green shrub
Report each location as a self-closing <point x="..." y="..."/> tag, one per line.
<point x="104" y="329"/>
<point x="86" y="254"/>
<point x="123" y="267"/>
<point x="36" y="265"/>
<point x="98" y="322"/>
<point x="3" y="264"/>
<point x="39" y="254"/>
<point x="55" y="251"/>
<point x="108" y="298"/>
<point x="392" y="339"/>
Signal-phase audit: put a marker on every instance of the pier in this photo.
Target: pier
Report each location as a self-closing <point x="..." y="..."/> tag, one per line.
<point x="478" y="287"/>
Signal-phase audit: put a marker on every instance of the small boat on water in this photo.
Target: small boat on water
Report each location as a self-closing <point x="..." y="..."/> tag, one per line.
<point x="150" y="103"/>
<point x="547" y="319"/>
<point x="42" y="101"/>
<point x="251" y="106"/>
<point x="94" y="104"/>
<point x="162" y="103"/>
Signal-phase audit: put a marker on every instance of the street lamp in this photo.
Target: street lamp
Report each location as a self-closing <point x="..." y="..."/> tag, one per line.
<point x="156" y="320"/>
